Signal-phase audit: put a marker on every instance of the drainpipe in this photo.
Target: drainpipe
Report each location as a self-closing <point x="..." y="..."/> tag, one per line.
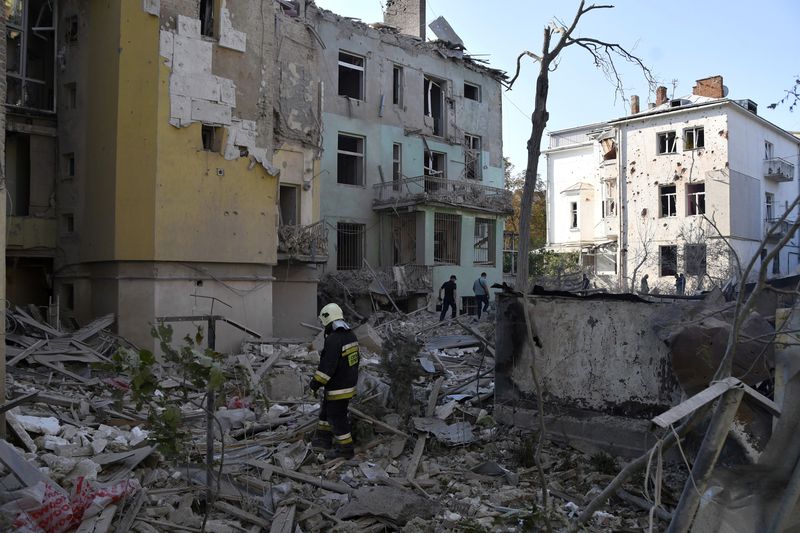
<point x="622" y="212"/>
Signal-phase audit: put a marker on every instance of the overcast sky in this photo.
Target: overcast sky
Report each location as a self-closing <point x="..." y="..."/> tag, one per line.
<point x="752" y="45"/>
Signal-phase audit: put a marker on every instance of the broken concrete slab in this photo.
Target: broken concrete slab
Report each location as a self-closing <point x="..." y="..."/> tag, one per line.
<point x="451" y="434"/>
<point x="397" y="505"/>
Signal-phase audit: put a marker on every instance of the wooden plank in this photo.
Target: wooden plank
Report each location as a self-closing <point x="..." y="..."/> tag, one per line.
<point x="378" y="423"/>
<point x="434" y="397"/>
<point x="25" y="318"/>
<point x="26" y="439"/>
<point x="26" y="352"/>
<point x="17" y="401"/>
<point x="240" y="514"/>
<point x="686" y="407"/>
<point x="297" y="476"/>
<point x="413" y="463"/>
<point x="92" y="328"/>
<point x="266" y="366"/>
<point x="21" y="468"/>
<point x="48" y="364"/>
<point x="130" y="514"/>
<point x="284" y="520"/>
<point x="100" y="523"/>
<point x="245" y="363"/>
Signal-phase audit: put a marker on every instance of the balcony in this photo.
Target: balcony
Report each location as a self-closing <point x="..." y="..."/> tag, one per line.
<point x="31" y="236"/>
<point x="777" y="169"/>
<point x="442" y="191"/>
<point x="307" y="244"/>
<point x="779" y="232"/>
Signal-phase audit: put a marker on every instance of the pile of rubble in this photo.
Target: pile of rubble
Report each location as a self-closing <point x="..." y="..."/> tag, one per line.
<point x="80" y="453"/>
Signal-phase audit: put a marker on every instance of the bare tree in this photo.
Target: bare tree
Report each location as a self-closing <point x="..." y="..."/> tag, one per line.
<point x="643" y="254"/>
<point x="791" y="98"/>
<point x="603" y="54"/>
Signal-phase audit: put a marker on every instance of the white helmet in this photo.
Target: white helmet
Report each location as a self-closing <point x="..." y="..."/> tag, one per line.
<point x="330" y="313"/>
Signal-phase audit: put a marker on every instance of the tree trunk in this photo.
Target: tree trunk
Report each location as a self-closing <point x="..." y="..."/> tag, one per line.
<point x="538" y="123"/>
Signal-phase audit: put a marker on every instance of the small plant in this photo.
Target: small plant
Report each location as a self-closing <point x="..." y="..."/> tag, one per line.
<point x="604" y="463"/>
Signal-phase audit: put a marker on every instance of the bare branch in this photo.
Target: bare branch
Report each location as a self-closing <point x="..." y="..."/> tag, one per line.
<point x="519" y="60"/>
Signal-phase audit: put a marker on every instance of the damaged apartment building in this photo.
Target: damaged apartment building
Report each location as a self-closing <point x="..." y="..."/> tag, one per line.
<point x="187" y="158"/>
<point x="161" y="155"/>
<point x="411" y="170"/>
<point x="640" y="195"/>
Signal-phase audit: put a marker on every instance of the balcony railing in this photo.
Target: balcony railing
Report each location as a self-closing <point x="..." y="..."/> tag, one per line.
<point x="304" y="243"/>
<point x="778" y="169"/>
<point x="779" y="232"/>
<point x="429" y="189"/>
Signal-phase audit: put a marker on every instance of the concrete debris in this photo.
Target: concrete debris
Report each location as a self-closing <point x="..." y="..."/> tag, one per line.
<point x="468" y="473"/>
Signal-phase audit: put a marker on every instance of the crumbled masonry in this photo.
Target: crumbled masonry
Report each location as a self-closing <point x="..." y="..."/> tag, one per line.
<point x="77" y="426"/>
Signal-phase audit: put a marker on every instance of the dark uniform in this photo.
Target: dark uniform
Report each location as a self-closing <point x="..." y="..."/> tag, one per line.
<point x="338" y="373"/>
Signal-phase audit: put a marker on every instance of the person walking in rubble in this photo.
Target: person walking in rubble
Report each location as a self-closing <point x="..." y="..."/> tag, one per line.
<point x="680" y="284"/>
<point x="449" y="289"/>
<point x="645" y="287"/>
<point x="338" y="374"/>
<point x="481" y="290"/>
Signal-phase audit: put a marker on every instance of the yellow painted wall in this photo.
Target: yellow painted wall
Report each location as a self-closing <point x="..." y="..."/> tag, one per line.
<point x="137" y="126"/>
<point x="209" y="208"/>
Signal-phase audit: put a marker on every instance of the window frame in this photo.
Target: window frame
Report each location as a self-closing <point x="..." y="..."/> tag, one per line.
<point x="691" y="254"/>
<point x="667" y="136"/>
<point x="361" y="69"/>
<point x="662" y="257"/>
<point x="22" y="76"/>
<point x="470" y="141"/>
<point x="574" y="216"/>
<point x="769" y="206"/>
<point x="398" y="83"/>
<point x="490" y="240"/>
<point x="695" y="199"/>
<point x="359" y="231"/>
<point x="693" y="134"/>
<point x="673" y="196"/>
<point x="477" y="91"/>
<point x="397" y="165"/>
<point x="362" y="155"/>
<point x="442" y="222"/>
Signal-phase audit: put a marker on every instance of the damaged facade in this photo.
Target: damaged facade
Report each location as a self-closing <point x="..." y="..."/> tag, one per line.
<point x="631" y="194"/>
<point x="164" y="153"/>
<point x="161" y="156"/>
<point x="411" y="171"/>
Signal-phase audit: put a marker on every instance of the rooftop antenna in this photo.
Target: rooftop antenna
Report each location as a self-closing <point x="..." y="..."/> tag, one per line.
<point x="674" y="86"/>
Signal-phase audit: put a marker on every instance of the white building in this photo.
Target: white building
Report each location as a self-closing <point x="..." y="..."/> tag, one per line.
<point x="642" y="194"/>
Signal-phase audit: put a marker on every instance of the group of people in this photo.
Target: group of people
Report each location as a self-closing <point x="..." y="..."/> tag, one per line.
<point x="337" y="372"/>
<point x="480" y="288"/>
<point x="680" y="284"/>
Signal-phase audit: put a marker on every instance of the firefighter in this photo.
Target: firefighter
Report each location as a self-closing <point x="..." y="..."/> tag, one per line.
<point x="338" y="374"/>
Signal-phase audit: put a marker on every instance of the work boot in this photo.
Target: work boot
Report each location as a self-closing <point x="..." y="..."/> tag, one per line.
<point x="322" y="440"/>
<point x="340" y="450"/>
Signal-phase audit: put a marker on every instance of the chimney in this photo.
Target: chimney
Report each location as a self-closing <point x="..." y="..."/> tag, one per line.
<point x="711" y="87"/>
<point x="634" y="104"/>
<point x="661" y="95"/>
<point x="408" y="16"/>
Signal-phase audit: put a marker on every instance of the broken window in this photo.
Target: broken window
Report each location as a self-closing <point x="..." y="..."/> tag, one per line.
<point x="404" y="239"/>
<point x="349" y="246"/>
<point x="609" y="207"/>
<point x="769" y="150"/>
<point x="350" y="160"/>
<point x="510" y="252"/>
<point x="434" y="104"/>
<point x="776" y="264"/>
<point x="67" y="294"/>
<point x="693" y="138"/>
<point x="667" y="142"/>
<point x="769" y="206"/>
<point x="472" y="157"/>
<point x="472" y="92"/>
<point x="573" y="215"/>
<point x="30" y="49"/>
<point x="668" y="260"/>
<point x="696" y="198"/>
<point x="397" y="85"/>
<point x="397" y="165"/>
<point x="351" y="75"/>
<point x="485" y="237"/>
<point x="434" y="170"/>
<point x="447" y="238"/>
<point x="668" y="198"/>
<point x="207" y="18"/>
<point x="694" y="257"/>
<point x="212" y="138"/>
<point x="290" y="205"/>
<point x="609" y="147"/>
<point x="69" y="165"/>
